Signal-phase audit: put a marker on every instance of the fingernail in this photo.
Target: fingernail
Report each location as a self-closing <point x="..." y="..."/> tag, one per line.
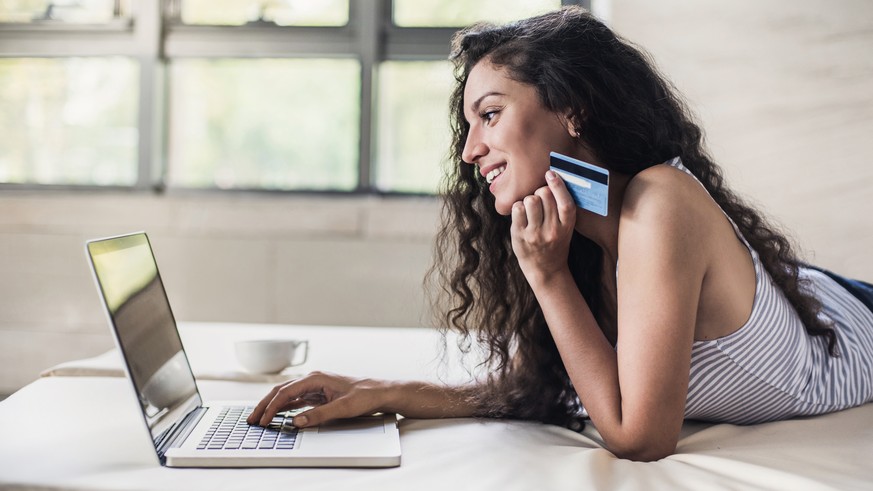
<point x="550" y="175"/>
<point x="301" y="421"/>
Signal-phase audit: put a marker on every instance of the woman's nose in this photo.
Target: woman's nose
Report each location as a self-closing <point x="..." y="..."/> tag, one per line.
<point x="474" y="149"/>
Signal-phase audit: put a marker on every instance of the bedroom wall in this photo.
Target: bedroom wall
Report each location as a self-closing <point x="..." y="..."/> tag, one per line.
<point x="230" y="258"/>
<point x="783" y="89"/>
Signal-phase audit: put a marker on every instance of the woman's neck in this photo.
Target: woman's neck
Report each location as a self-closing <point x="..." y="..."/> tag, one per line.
<point x="603" y="231"/>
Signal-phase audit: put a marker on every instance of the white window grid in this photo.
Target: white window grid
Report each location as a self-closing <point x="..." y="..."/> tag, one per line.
<point x="153" y="33"/>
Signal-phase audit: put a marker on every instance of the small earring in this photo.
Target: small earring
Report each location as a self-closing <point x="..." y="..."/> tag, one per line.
<point x="577" y="132"/>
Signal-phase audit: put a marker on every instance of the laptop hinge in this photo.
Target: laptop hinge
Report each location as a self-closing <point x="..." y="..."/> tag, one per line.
<point x="176" y="434"/>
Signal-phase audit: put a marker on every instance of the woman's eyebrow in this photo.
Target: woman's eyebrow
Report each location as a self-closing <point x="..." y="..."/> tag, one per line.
<point x="475" y="106"/>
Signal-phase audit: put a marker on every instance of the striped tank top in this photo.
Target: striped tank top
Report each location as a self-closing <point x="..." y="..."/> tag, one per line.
<point x="770" y="368"/>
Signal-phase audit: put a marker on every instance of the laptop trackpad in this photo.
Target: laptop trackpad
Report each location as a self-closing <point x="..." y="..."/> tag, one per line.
<point x="354" y="426"/>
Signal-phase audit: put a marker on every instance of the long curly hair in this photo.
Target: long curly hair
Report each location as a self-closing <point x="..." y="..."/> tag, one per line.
<point x="631" y="118"/>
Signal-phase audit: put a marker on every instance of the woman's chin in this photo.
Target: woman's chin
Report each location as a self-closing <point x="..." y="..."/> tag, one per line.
<point x="503" y="208"/>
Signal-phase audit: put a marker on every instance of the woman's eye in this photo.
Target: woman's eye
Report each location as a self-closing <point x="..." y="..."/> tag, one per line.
<point x="488" y="116"/>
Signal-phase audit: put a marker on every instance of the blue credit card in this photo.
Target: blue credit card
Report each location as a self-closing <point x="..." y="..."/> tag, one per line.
<point x="587" y="183"/>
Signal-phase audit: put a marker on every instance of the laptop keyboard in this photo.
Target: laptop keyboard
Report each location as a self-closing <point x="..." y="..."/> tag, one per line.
<point x="230" y="431"/>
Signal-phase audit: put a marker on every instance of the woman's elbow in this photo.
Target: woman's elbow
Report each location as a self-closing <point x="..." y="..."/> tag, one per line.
<point x="643" y="455"/>
<point x="642" y="450"/>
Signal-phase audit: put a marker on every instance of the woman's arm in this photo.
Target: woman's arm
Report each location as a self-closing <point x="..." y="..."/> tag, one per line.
<point x="635" y="393"/>
<point x="334" y="396"/>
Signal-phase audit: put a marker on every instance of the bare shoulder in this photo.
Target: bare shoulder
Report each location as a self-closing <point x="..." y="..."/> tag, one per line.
<point x="671" y="228"/>
<point x="668" y="199"/>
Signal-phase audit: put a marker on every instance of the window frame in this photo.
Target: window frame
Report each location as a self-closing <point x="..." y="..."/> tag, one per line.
<point x="154" y="34"/>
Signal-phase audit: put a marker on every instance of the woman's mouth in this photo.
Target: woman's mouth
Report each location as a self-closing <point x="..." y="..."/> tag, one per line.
<point x="491" y="176"/>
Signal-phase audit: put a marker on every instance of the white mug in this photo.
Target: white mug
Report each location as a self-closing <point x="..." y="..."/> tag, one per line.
<point x="270" y="355"/>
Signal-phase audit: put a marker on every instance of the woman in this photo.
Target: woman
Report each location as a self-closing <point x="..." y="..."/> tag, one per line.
<point x="682" y="302"/>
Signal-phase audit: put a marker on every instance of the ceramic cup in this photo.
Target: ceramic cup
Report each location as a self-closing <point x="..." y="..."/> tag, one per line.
<point x="271" y="355"/>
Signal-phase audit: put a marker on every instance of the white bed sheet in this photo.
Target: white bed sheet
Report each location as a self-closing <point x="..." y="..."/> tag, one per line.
<point x="85" y="433"/>
<point x="42" y="448"/>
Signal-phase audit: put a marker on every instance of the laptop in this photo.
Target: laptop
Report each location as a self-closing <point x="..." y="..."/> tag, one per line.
<point x="185" y="431"/>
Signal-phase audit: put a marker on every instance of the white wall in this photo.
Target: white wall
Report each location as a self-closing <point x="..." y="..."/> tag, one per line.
<point x="784" y="89"/>
<point x="252" y="258"/>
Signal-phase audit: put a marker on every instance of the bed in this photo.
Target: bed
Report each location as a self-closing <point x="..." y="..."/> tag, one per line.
<point x="78" y="428"/>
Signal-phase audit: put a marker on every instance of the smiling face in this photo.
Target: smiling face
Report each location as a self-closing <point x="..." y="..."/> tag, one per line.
<point x="511" y="134"/>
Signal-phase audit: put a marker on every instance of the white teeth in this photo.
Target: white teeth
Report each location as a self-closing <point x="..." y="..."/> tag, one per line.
<point x="494" y="173"/>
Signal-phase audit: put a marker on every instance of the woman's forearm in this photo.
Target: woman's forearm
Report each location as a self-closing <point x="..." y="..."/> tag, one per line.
<point x="425" y="400"/>
<point x="588" y="357"/>
<point x="632" y="427"/>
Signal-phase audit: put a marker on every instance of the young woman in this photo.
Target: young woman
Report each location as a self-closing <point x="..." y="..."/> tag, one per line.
<point x="682" y="302"/>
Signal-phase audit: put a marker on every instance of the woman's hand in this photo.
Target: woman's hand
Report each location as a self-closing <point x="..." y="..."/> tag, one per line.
<point x="333" y="397"/>
<point x="542" y="226"/>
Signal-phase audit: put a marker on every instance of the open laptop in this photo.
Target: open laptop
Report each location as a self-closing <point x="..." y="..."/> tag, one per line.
<point x="185" y="432"/>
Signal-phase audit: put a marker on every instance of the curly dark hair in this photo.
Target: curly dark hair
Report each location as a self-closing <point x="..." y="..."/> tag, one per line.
<point x="631" y="118"/>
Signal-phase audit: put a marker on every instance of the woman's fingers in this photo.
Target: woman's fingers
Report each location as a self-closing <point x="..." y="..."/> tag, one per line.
<point x="284" y="397"/>
<point x="549" y="207"/>
<point x="310" y="390"/>
<point x="519" y="216"/>
<point x="565" y="206"/>
<point x="539" y="211"/>
<point x="331" y="397"/>
<point x="542" y="226"/>
<point x="258" y="411"/>
<point x="533" y="207"/>
<point x="341" y="407"/>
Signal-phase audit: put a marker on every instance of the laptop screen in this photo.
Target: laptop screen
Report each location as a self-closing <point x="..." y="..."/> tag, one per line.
<point x="134" y="296"/>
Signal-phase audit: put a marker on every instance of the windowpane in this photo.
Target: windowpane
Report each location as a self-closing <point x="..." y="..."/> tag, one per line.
<point x="71" y="11"/>
<point x="284" y="13"/>
<point x="413" y="125"/>
<point x="451" y="13"/>
<point x="69" y="121"/>
<point x="264" y="123"/>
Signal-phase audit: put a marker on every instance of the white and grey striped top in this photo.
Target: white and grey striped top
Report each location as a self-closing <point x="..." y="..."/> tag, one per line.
<point x="771" y="369"/>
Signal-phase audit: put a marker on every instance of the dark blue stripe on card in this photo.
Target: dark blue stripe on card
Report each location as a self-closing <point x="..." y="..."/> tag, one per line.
<point x="584" y="172"/>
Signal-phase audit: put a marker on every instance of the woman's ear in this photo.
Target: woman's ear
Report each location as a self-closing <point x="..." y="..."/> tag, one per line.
<point x="573" y="126"/>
